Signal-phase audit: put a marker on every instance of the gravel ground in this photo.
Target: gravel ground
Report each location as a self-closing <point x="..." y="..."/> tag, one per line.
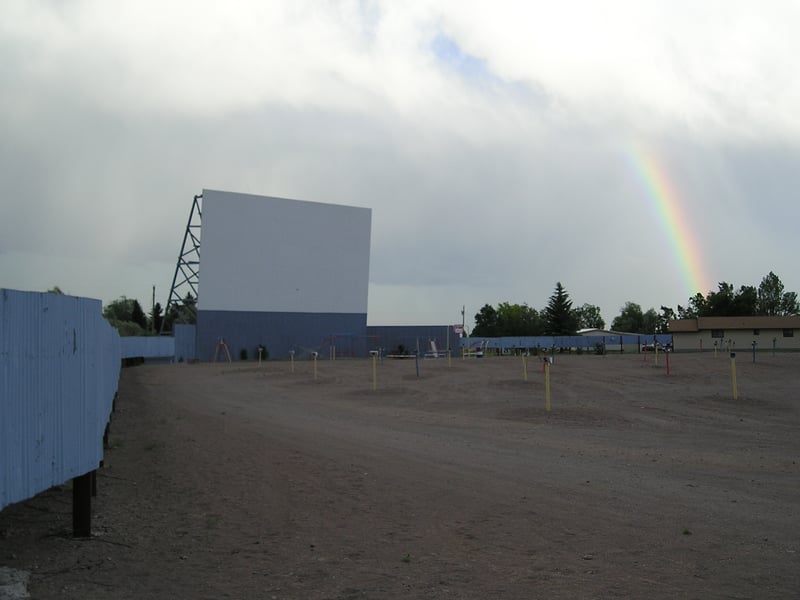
<point x="239" y="481"/>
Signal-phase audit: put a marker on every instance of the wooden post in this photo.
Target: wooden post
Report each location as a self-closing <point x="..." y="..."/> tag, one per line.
<point x="374" y="371"/>
<point x="547" y="385"/>
<point x="448" y="346"/>
<point x="82" y="505"/>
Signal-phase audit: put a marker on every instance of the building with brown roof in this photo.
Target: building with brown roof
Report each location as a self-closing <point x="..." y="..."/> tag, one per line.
<point x="730" y="333"/>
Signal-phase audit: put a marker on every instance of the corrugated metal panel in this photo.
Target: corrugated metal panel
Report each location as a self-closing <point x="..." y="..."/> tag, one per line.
<point x="574" y="341"/>
<point x="185" y="343"/>
<point x="396" y="339"/>
<point x="147" y="347"/>
<point x="59" y="372"/>
<point x="278" y="332"/>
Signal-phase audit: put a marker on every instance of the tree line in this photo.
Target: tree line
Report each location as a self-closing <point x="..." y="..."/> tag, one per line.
<point x="560" y="318"/>
<point x="520" y="320"/>
<point x="128" y="317"/>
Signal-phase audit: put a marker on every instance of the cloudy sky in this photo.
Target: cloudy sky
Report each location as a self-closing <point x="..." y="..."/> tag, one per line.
<point x="631" y="150"/>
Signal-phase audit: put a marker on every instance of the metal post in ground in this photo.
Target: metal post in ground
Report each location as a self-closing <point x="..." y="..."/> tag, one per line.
<point x="82" y="505"/>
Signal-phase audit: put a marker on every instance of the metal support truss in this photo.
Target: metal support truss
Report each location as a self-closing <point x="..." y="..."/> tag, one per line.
<point x="182" y="303"/>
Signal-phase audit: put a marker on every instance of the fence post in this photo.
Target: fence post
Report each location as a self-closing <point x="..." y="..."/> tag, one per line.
<point x="82" y="505"/>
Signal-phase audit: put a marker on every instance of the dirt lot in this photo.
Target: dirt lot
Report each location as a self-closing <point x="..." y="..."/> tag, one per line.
<point x="234" y="481"/>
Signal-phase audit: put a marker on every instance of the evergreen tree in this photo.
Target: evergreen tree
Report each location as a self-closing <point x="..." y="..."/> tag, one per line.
<point x="156" y="317"/>
<point x="558" y="316"/>
<point x="137" y="315"/>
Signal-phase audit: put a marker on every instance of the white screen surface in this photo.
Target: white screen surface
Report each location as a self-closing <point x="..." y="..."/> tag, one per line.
<point x="264" y="254"/>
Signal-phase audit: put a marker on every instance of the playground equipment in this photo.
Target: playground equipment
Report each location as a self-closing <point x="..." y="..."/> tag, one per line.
<point x="434" y="351"/>
<point x="349" y="345"/>
<point x="309" y="352"/>
<point x="475" y="350"/>
<point x="221" y="346"/>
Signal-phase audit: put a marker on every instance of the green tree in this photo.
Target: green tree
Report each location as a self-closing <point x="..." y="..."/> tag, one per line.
<point x="721" y="302"/>
<point x="517" y="320"/>
<point x="485" y="322"/>
<point x="667" y="315"/>
<point x="120" y="309"/>
<point x="772" y="300"/>
<point x="630" y="319"/>
<point x="745" y="303"/>
<point x="120" y="314"/>
<point x="729" y="303"/>
<point x="138" y="316"/>
<point x="697" y="306"/>
<point x="588" y="317"/>
<point x="768" y="299"/>
<point x="770" y="294"/>
<point x="128" y="328"/>
<point x="789" y="304"/>
<point x="55" y="290"/>
<point x="558" y="317"/>
<point x="650" y="321"/>
<point x="156" y="317"/>
<point x="507" y="320"/>
<point x="184" y="312"/>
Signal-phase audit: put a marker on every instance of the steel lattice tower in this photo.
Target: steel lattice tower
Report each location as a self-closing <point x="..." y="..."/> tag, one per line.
<point x="183" y="293"/>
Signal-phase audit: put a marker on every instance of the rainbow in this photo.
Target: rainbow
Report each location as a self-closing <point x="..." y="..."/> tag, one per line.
<point x="667" y="204"/>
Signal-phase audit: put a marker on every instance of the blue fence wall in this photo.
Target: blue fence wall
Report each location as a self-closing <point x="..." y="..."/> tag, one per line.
<point x="404" y="338"/>
<point x="185" y="342"/>
<point x="147" y="347"/>
<point x="278" y="332"/>
<point x="400" y="339"/>
<point x="59" y="373"/>
<point x="587" y="342"/>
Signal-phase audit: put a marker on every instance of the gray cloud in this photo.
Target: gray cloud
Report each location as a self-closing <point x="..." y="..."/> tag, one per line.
<point x="494" y="154"/>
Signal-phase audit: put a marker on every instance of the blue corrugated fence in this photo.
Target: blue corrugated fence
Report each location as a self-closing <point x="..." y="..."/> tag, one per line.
<point x="576" y="341"/>
<point x="59" y="373"/>
<point x="147" y="347"/>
